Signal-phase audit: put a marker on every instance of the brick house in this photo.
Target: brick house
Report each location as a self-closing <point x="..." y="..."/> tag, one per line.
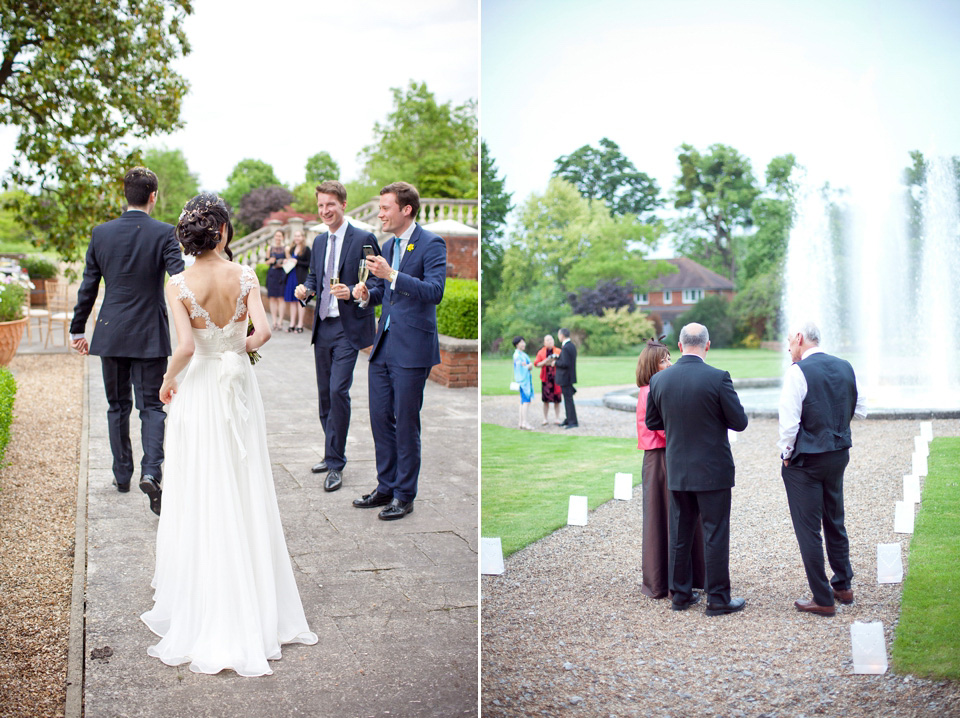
<point x="671" y="295"/>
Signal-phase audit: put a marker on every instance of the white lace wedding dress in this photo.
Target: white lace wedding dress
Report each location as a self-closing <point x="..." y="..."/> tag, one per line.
<point x="225" y="595"/>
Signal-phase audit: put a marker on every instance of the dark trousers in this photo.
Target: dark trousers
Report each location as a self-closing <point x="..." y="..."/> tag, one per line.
<point x="713" y="508"/>
<point x="335" y="360"/>
<point x="145" y="377"/>
<point x="814" y="484"/>
<point x="568" y="408"/>
<point x="396" y="397"/>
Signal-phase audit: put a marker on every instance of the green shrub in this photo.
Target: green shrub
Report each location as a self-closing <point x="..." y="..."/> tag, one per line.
<point x="593" y="336"/>
<point x="531" y="313"/>
<point x="631" y="328"/>
<point x="8" y="390"/>
<point x="457" y="313"/>
<point x="713" y="312"/>
<point x="13" y="295"/>
<point x="39" y="267"/>
<point x="261" y="270"/>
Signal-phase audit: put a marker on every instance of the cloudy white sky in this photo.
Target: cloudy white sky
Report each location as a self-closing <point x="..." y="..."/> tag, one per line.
<point x="849" y="87"/>
<point x="282" y="80"/>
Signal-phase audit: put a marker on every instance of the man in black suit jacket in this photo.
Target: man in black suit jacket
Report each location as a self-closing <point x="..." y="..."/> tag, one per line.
<point x="566" y="377"/>
<point x="132" y="334"/>
<point x="695" y="404"/>
<point x="341" y="328"/>
<point x="817" y="402"/>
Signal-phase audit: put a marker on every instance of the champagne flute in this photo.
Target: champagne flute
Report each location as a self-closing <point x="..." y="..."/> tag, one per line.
<point x="363" y="272"/>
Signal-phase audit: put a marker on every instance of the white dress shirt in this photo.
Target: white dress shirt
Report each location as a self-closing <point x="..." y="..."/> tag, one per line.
<point x="334" y="310"/>
<point x="791" y="405"/>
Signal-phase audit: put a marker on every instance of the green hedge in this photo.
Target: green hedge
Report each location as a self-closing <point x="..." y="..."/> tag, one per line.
<point x="8" y="390"/>
<point x="457" y="313"/>
<point x="261" y="270"/>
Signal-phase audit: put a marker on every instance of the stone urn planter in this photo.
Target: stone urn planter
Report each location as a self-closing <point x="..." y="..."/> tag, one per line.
<point x="10" y="335"/>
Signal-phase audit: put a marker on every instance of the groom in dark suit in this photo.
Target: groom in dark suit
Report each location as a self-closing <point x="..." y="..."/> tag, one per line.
<point x="695" y="404"/>
<point x="567" y="376"/>
<point x="410" y="279"/>
<point x="132" y="334"/>
<point x="341" y="328"/>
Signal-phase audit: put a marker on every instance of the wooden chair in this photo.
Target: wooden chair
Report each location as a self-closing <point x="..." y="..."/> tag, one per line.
<point x="59" y="309"/>
<point x="37" y="314"/>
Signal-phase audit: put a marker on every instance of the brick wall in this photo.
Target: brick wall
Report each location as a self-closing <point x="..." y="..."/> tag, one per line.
<point x="462" y="257"/>
<point x="459" y="363"/>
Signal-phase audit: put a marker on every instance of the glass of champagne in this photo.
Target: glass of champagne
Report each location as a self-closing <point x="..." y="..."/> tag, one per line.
<point x="363" y="272"/>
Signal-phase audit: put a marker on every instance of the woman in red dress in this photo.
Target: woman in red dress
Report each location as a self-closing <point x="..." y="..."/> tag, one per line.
<point x="549" y="391"/>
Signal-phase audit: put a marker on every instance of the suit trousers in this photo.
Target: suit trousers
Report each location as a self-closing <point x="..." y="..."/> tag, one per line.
<point x="713" y="508"/>
<point x="145" y="377"/>
<point x="814" y="485"/>
<point x="335" y="360"/>
<point x="396" y="397"/>
<point x="568" y="408"/>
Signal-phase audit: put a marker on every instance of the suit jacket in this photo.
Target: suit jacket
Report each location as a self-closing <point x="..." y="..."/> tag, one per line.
<point x="695" y="404"/>
<point x="567" y="364"/>
<point x="412" y="306"/>
<point x="131" y="253"/>
<point x="358" y="324"/>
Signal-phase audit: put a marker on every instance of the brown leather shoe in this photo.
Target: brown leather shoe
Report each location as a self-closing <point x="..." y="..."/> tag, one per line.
<point x="845" y="596"/>
<point x="811" y="607"/>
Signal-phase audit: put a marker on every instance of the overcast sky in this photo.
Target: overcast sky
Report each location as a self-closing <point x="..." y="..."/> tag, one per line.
<point x="282" y="80"/>
<point x="849" y="87"/>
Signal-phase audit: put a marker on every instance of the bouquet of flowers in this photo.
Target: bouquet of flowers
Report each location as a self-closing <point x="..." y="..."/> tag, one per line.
<point x="254" y="355"/>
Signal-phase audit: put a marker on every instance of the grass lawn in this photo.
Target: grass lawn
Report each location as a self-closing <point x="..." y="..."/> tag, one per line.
<point x="927" y="641"/>
<point x="527" y="484"/>
<point x="496" y="373"/>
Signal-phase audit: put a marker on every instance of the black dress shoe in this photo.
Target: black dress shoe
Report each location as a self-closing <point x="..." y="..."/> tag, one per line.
<point x="151" y="487"/>
<point x="368" y="501"/>
<point x="719" y="609"/>
<point x="396" y="510"/>
<point x="684" y="605"/>
<point x="320" y="468"/>
<point x="333" y="481"/>
<point x="570" y="426"/>
<point x="122" y="488"/>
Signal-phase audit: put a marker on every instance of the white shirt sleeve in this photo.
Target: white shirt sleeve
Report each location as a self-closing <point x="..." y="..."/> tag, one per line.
<point x="861" y="409"/>
<point x="791" y="405"/>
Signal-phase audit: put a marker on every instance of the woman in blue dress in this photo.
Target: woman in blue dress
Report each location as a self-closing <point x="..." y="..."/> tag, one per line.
<point x="523" y="376"/>
<point x="298" y="275"/>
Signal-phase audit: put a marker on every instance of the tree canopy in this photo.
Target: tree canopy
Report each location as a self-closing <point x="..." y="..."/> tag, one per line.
<point x="177" y="183"/>
<point x="248" y="174"/>
<point x="433" y="146"/>
<point x="321" y="167"/>
<point x="78" y="79"/>
<point x="605" y="173"/>
<point x="259" y="202"/>
<point x="494" y="208"/>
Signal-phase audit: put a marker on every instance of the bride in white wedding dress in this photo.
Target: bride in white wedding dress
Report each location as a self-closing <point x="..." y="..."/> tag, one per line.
<point x="225" y="594"/>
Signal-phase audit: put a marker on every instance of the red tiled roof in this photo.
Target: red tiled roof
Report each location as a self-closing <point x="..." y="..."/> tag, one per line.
<point x="689" y="275"/>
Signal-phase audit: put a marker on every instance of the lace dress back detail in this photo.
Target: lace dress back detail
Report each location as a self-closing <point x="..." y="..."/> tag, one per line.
<point x="214" y="339"/>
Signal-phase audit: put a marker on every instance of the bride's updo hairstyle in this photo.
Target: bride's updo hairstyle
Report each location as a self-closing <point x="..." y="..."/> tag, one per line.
<point x="200" y="222"/>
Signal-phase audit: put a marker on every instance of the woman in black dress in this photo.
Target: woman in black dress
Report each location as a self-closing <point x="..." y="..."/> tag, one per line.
<point x="276" y="278"/>
<point x="298" y="275"/>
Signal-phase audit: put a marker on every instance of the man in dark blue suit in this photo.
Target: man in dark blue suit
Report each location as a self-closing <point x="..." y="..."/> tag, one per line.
<point x="409" y="285"/>
<point x="132" y="334"/>
<point x="341" y="328"/>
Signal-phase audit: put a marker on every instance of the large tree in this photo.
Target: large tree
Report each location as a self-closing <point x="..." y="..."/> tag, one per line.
<point x="605" y="173"/>
<point x="714" y="192"/>
<point x="764" y="251"/>
<point x="79" y="79"/>
<point x="494" y="208"/>
<point x="259" y="202"/>
<point x="248" y="174"/>
<point x="321" y="167"/>
<point x="177" y="183"/>
<point x="433" y="146"/>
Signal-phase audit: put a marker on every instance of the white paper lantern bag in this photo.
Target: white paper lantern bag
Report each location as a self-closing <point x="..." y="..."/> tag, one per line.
<point x="623" y="487"/>
<point x="889" y="563"/>
<point x="926" y="430"/>
<point x="920" y="446"/>
<point x="919" y="465"/>
<point x="911" y="489"/>
<point x="869" y="648"/>
<point x="577" y="511"/>
<point x="491" y="556"/>
<point x="903" y="518"/>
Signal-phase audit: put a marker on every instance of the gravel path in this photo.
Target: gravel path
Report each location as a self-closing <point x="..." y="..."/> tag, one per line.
<point x="38" y="499"/>
<point x="566" y="630"/>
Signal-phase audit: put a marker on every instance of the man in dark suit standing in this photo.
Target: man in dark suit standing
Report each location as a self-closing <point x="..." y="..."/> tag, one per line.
<point x="695" y="404"/>
<point x="132" y="334"/>
<point x="817" y="402"/>
<point x="409" y="284"/>
<point x="340" y="327"/>
<point x="566" y="377"/>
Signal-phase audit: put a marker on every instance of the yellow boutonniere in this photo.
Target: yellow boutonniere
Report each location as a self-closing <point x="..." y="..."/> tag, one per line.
<point x="410" y="247"/>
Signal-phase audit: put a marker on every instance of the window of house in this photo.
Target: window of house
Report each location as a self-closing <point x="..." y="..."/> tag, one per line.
<point x="692" y="296"/>
<point x="667" y="296"/>
<point x="641" y="298"/>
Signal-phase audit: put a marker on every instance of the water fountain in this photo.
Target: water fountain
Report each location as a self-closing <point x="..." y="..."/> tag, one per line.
<point x="887" y="302"/>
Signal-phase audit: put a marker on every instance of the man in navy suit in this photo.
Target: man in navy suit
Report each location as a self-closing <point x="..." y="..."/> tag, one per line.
<point x="341" y="328"/>
<point x="696" y="404"/>
<point x="409" y="285"/>
<point x="132" y="334"/>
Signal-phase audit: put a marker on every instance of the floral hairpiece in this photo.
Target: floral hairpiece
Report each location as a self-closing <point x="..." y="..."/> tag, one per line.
<point x="654" y="342"/>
